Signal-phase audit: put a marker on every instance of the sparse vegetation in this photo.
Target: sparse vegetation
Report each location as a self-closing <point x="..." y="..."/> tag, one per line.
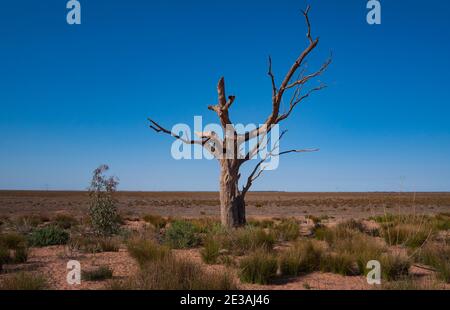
<point x="169" y="273"/>
<point x="344" y="247"/>
<point x="94" y="244"/>
<point x="258" y="267"/>
<point x="24" y="281"/>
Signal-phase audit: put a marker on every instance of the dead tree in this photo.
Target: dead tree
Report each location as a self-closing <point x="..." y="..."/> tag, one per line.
<point x="232" y="198"/>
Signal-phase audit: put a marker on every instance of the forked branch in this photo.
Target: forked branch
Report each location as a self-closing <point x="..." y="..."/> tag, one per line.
<point x="287" y="84"/>
<point x="158" y="128"/>
<point x="258" y="170"/>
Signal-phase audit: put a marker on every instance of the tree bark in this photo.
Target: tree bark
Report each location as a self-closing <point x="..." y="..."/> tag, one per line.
<point x="232" y="203"/>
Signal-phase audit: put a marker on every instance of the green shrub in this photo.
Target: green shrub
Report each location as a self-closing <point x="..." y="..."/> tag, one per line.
<point x="182" y="234"/>
<point x="50" y="235"/>
<point x="156" y="220"/>
<point x="97" y="274"/>
<point x="210" y="251"/>
<point x="65" y="221"/>
<point x="24" y="281"/>
<point x="303" y="257"/>
<point x="144" y="251"/>
<point x="287" y="230"/>
<point x="103" y="210"/>
<point x="258" y="267"/>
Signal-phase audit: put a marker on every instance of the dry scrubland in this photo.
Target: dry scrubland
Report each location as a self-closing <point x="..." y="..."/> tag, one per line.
<point x="174" y="241"/>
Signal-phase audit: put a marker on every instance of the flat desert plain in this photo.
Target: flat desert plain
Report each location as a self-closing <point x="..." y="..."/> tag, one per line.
<point x="292" y="218"/>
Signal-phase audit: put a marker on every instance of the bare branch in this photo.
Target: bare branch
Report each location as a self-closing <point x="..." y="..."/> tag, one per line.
<point x="287" y="84"/>
<point x="158" y="128"/>
<point x="223" y="104"/>
<point x="257" y="171"/>
<point x="296" y="98"/>
<point x="305" y="13"/>
<point x="272" y="77"/>
<point x="305" y="79"/>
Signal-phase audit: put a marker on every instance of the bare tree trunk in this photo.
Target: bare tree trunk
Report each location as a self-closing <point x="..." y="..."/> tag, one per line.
<point x="232" y="204"/>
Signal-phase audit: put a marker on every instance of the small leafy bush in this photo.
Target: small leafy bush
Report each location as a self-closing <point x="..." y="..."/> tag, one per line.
<point x="182" y="234"/>
<point x="103" y="210"/>
<point x="50" y="235"/>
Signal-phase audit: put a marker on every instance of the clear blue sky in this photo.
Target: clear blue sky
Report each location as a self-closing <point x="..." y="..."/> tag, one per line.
<point x="74" y="97"/>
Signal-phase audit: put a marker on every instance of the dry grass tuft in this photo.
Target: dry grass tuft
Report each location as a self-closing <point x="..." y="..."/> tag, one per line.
<point x="24" y="281"/>
<point x="258" y="267"/>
